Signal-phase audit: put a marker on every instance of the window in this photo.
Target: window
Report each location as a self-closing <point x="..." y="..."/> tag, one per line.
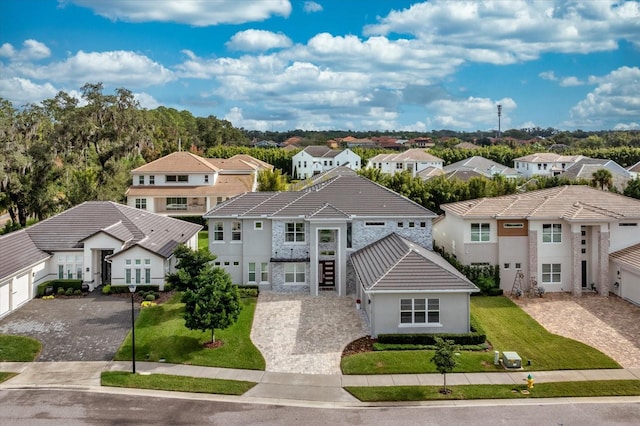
<point x="374" y="224"/>
<point x="227" y="263"/>
<point x="479" y="232"/>
<point x="507" y="265"/>
<point x="423" y="224"/>
<point x="141" y="203"/>
<point x="61" y="272"/>
<point x="513" y="225"/>
<point x="412" y="225"/>
<point x="176" y="203"/>
<point x="399" y="166"/>
<point x="419" y="311"/>
<point x="257" y="225"/>
<point x="147" y="275"/>
<point x="294" y="232"/>
<point x="539" y="166"/>
<point x="138" y="275"/>
<point x="264" y="272"/>
<point x="252" y="272"/>
<point x="218" y="231"/>
<point x="518" y="265"/>
<point x="544" y="166"/>
<point x="400" y="224"/>
<point x="127" y="276"/>
<point x="206" y="178"/>
<point x="140" y="180"/>
<point x="552" y="233"/>
<point x="326" y="236"/>
<point x="236" y="263"/>
<point x="551" y="273"/>
<point x="177" y="178"/>
<point x="349" y="235"/>
<point x="152" y="180"/>
<point x="294" y="273"/>
<point x="628" y="224"/>
<point x="236" y="231"/>
<point x="70" y="267"/>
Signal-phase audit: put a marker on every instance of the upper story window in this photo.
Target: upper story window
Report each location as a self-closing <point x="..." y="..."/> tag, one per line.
<point x="177" y="178"/>
<point x="140" y="180"/>
<point x="141" y="203"/>
<point x="539" y="166"/>
<point x="480" y="232"/>
<point x="218" y="231"/>
<point x="152" y="180"/>
<point x="206" y="178"/>
<point x="326" y="236"/>
<point x="551" y="233"/>
<point x="236" y="231"/>
<point x="294" y="232"/>
<point x="258" y="225"/>
<point x="374" y="224"/>
<point x="399" y="166"/>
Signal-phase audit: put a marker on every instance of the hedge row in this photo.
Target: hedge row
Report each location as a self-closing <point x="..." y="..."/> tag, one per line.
<point x="476" y="337"/>
<point x="74" y="284"/>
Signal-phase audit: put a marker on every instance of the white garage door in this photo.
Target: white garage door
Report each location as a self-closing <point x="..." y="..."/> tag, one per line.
<point x="20" y="290"/>
<point x="4" y="298"/>
<point x="630" y="286"/>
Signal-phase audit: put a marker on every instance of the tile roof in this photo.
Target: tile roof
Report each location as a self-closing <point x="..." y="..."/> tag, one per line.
<point x="586" y="167"/>
<point x="17" y="251"/>
<point x="549" y="157"/>
<point x="177" y="162"/>
<point x="319" y="151"/>
<point x="635" y="168"/>
<point x="68" y="230"/>
<point x="572" y="202"/>
<point x="414" y="154"/>
<point x="226" y="185"/>
<point x="395" y="263"/>
<point x="481" y="165"/>
<point x="629" y="256"/>
<point x="348" y="194"/>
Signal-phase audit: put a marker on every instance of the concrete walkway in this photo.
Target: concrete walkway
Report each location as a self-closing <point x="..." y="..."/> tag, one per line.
<point x="283" y="388"/>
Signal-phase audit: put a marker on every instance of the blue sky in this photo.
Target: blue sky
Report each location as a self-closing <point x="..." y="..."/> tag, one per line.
<point x="337" y="64"/>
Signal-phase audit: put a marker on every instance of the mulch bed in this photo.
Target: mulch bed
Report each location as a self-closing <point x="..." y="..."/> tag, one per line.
<point x="164" y="296"/>
<point x="363" y="344"/>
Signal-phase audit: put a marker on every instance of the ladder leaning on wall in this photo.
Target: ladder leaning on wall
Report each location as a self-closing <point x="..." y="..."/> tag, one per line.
<point x="517" y="284"/>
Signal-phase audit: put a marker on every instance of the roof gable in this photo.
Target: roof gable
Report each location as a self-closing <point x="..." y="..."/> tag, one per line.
<point x="177" y="162"/>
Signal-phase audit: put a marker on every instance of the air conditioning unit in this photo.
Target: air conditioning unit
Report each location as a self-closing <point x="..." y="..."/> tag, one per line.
<point x="511" y="360"/>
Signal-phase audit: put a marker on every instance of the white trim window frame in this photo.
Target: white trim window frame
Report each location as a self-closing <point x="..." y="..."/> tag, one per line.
<point x="295" y="273"/>
<point x="294" y="232"/>
<point x="419" y="312"/>
<point x="480" y="232"/>
<point x="551" y="273"/>
<point x="258" y="225"/>
<point x="264" y="272"/>
<point x="251" y="269"/>
<point x="236" y="231"/>
<point x="218" y="232"/>
<point x="552" y="233"/>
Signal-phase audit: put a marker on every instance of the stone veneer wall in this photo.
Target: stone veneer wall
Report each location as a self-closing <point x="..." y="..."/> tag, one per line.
<point x="282" y="250"/>
<point x="277" y="280"/>
<point x="364" y="235"/>
<point x="533" y="257"/>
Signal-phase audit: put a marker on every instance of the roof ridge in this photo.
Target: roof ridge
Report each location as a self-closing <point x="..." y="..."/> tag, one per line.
<point x="597" y="209"/>
<point x="547" y="197"/>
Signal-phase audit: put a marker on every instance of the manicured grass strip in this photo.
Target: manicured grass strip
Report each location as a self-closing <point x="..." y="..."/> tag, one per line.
<point x="6" y="376"/>
<point x="161" y="334"/>
<point x="175" y="383"/>
<point x="509" y="328"/>
<point x="542" y="390"/>
<point x="18" y="348"/>
<point x="203" y="239"/>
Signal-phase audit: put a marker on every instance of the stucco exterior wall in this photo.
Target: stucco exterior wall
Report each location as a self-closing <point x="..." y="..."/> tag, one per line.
<point x="118" y="266"/>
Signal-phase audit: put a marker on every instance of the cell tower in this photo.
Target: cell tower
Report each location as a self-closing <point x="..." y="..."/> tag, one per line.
<point x="499" y="115"/>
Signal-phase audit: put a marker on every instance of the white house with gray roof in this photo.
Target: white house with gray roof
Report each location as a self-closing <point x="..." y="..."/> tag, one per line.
<point x="303" y="241"/>
<point x="314" y="160"/>
<point x="481" y="166"/>
<point x="98" y="242"/>
<point x="414" y="160"/>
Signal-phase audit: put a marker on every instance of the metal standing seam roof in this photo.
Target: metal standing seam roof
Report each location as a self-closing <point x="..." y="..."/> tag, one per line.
<point x="68" y="230"/>
<point x="397" y="264"/>
<point x="350" y="195"/>
<point x="18" y="251"/>
<point x="572" y="202"/>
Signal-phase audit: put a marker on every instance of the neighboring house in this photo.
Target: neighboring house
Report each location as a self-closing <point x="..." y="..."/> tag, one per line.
<point x="184" y="184"/>
<point x="98" y="242"/>
<point x="314" y="160"/>
<point x="482" y="166"/>
<point x="586" y="167"/>
<point x="405" y="288"/>
<point x="304" y="241"/>
<point x="560" y="237"/>
<point x="624" y="268"/>
<point x="415" y="160"/>
<point x="430" y="172"/>
<point x="545" y="164"/>
<point x="466" y="145"/>
<point x="634" y="170"/>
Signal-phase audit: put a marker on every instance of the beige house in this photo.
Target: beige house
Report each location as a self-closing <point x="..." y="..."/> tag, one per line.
<point x="560" y="238"/>
<point x="184" y="184"/>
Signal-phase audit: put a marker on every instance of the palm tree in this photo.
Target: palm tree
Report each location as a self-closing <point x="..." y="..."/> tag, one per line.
<point x="602" y="178"/>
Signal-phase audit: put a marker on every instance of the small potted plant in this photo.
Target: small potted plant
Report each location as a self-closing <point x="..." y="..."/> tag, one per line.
<point x="358" y="303"/>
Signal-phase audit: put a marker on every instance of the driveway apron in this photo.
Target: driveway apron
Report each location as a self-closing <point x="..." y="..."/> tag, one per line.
<point x="298" y="333"/>
<point x="89" y="328"/>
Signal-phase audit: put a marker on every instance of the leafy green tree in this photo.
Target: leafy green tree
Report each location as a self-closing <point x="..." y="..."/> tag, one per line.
<point x="190" y="265"/>
<point x="602" y="178"/>
<point x="271" y="180"/>
<point x="633" y="189"/>
<point x="212" y="302"/>
<point x="444" y="358"/>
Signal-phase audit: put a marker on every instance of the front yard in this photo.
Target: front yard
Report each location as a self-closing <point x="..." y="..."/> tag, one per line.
<point x="508" y="328"/>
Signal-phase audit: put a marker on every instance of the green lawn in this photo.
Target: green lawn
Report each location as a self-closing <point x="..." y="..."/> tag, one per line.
<point x="203" y="239"/>
<point x="18" y="348"/>
<point x="175" y="383"/>
<point x="508" y="328"/>
<point x="6" y="376"/>
<point x="543" y="390"/>
<point x="161" y="334"/>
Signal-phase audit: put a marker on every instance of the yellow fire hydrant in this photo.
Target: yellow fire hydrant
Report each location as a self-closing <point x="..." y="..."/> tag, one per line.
<point x="529" y="381"/>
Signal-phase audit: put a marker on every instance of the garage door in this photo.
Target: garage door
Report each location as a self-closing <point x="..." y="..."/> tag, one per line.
<point x="4" y="298"/>
<point x="630" y="286"/>
<point x="20" y="290"/>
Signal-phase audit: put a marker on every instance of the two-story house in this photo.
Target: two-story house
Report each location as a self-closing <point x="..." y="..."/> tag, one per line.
<point x="304" y="241"/>
<point x="544" y="164"/>
<point x="414" y="160"/>
<point x="314" y="160"/>
<point x="481" y="166"/>
<point x="184" y="184"/>
<point x="98" y="242"/>
<point x="560" y="238"/>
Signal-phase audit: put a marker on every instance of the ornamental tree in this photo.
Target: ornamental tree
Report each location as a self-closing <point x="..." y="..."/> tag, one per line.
<point x="444" y="358"/>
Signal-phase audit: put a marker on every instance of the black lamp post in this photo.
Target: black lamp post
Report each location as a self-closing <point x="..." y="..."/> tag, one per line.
<point x="132" y="289"/>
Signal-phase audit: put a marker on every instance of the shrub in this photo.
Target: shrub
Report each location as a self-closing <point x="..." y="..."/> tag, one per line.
<point x="69" y="292"/>
<point x="149" y="298"/>
<point x="77" y="292"/>
<point x="248" y="291"/>
<point x="495" y="292"/>
<point x="48" y="297"/>
<point x="60" y="290"/>
<point x="57" y="284"/>
<point x="106" y="289"/>
<point x="430" y="339"/>
<point x="147" y="304"/>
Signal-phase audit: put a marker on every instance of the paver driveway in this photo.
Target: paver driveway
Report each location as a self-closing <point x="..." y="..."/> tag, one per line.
<point x="90" y="328"/>
<point x="609" y="324"/>
<point x="298" y="333"/>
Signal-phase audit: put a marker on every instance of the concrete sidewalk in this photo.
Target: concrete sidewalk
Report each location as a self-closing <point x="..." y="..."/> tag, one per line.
<point x="281" y="387"/>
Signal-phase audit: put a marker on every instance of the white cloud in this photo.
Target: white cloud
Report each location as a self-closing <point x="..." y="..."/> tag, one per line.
<point x="192" y="12"/>
<point x="146" y="100"/>
<point x="548" y="75"/>
<point x="31" y="50"/>
<point x="258" y="40"/>
<point x="627" y="126"/>
<point x="312" y="7"/>
<point x="236" y="117"/>
<point x="22" y="91"/>
<point x="570" y="82"/>
<point x="471" y="113"/>
<point x="617" y="96"/>
<point x="7" y="50"/>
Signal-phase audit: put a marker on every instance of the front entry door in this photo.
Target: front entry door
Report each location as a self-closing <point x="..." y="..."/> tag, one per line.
<point x="106" y="266"/>
<point x="327" y="274"/>
<point x="584" y="274"/>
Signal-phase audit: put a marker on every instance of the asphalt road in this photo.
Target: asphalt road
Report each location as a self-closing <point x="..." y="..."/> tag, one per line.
<point x="29" y="407"/>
